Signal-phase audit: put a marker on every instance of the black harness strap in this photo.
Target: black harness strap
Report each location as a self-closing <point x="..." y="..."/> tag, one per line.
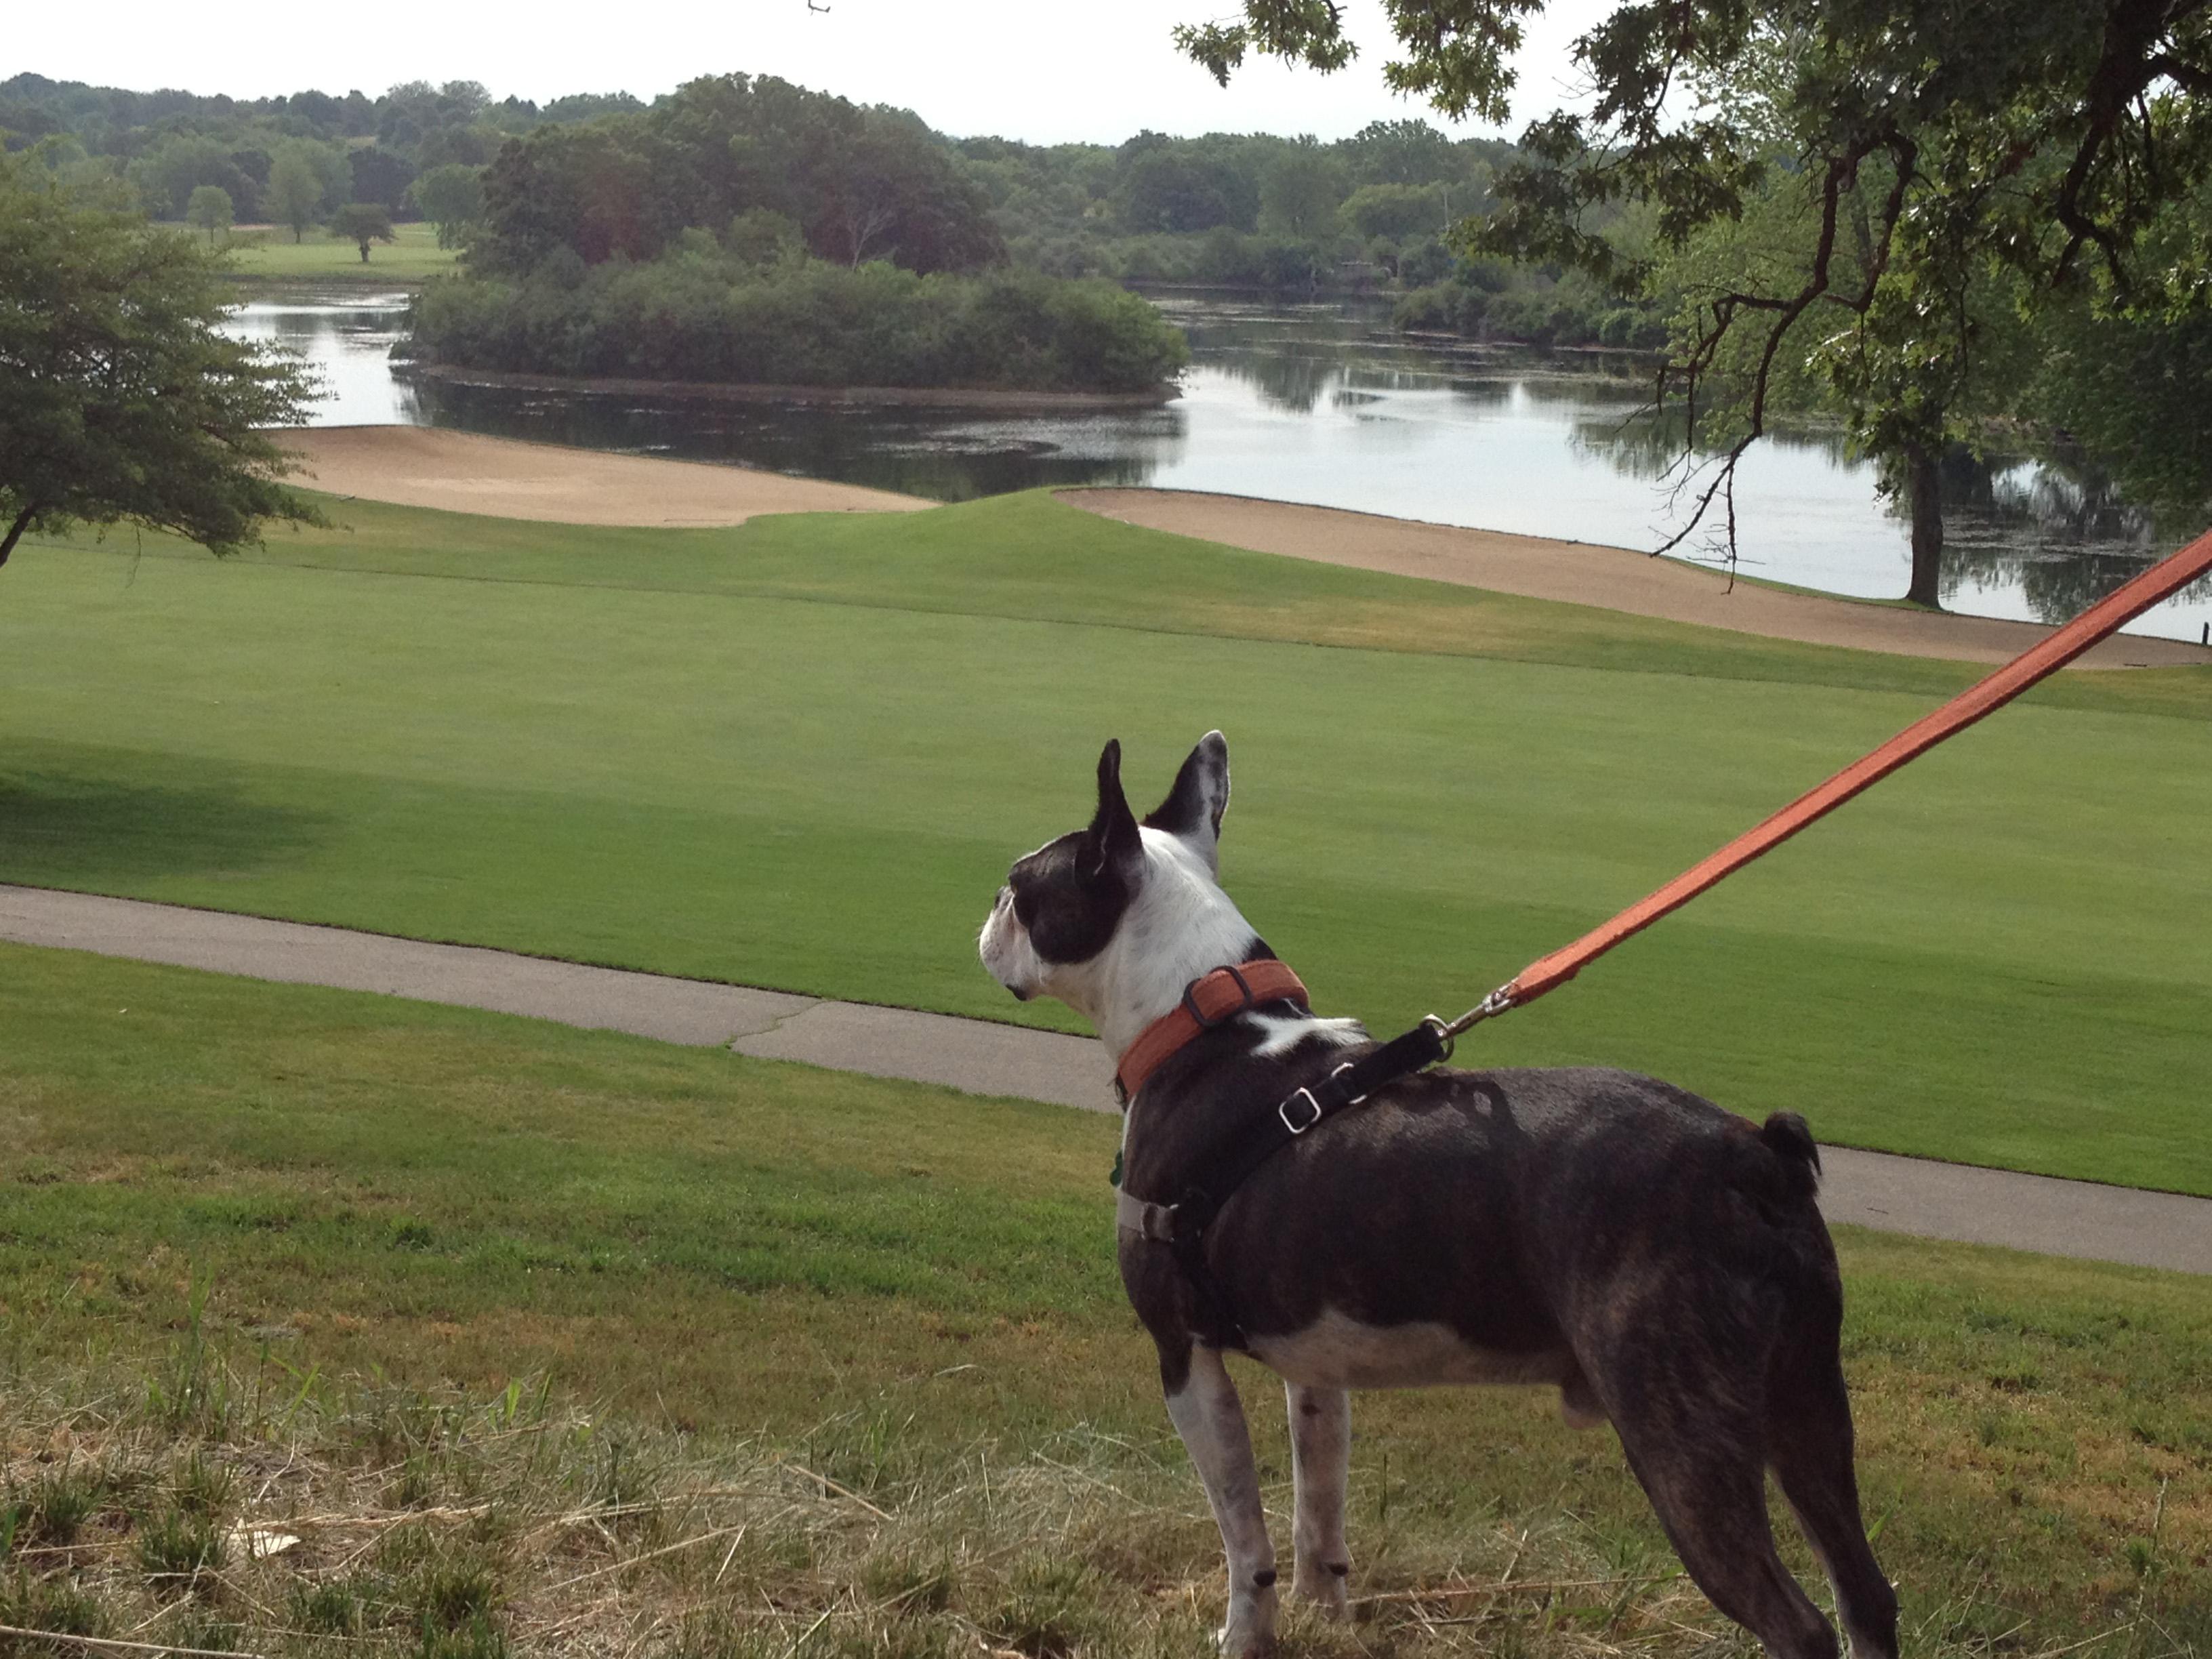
<point x="1181" y="1225"/>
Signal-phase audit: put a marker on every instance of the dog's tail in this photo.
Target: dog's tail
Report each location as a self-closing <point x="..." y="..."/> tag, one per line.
<point x="1788" y="1139"/>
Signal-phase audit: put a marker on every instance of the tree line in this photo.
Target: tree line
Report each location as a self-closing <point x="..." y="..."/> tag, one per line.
<point x="416" y="151"/>
<point x="606" y="174"/>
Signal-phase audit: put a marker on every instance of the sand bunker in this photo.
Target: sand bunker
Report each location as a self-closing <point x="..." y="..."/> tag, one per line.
<point x="462" y="472"/>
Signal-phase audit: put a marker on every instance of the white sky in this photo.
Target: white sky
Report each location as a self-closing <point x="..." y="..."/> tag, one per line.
<point x="1044" y="71"/>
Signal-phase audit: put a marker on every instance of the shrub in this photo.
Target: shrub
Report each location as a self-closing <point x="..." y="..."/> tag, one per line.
<point x="699" y="314"/>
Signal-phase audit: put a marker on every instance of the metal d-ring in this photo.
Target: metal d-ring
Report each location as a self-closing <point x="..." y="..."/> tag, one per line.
<point x="1437" y="1023"/>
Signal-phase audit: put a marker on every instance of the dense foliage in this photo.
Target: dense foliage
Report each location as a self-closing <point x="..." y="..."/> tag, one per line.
<point x="1246" y="210"/>
<point x="1377" y="212"/>
<point x="707" y="313"/>
<point x="611" y="177"/>
<point x="859" y="183"/>
<point x="121" y="399"/>
<point x="1890" y="209"/>
<point x="1489" y="299"/>
<point x="167" y="144"/>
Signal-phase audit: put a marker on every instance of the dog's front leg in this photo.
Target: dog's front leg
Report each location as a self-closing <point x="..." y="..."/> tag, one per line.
<point x="1208" y="1415"/>
<point x="1321" y="1465"/>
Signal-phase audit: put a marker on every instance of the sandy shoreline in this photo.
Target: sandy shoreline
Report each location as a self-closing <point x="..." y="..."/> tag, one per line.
<point x="1583" y="573"/>
<point x="463" y="472"/>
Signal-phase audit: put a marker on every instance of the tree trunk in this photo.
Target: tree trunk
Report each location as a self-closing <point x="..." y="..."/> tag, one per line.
<point x="16" y="531"/>
<point x="364" y="253"/>
<point x="1923" y="488"/>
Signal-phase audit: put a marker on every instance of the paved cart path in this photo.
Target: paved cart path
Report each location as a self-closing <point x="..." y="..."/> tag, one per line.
<point x="1866" y="1189"/>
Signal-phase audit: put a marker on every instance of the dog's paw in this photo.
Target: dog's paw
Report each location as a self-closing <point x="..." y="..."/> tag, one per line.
<point x="1323" y="1583"/>
<point x="1250" y="1631"/>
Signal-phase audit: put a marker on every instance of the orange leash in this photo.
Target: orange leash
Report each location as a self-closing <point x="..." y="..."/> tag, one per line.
<point x="2106" y="617"/>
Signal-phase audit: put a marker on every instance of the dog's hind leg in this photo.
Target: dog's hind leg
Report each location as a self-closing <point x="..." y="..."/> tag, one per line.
<point x="1809" y="1443"/>
<point x="1321" y="1465"/>
<point x="1699" y="1458"/>
<point x="1203" y="1404"/>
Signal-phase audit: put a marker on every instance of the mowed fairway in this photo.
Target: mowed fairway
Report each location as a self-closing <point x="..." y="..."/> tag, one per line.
<point x="483" y="1312"/>
<point x="801" y="753"/>
<point x="268" y="254"/>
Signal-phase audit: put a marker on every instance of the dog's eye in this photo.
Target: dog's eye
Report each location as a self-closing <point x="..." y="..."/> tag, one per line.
<point x="1024" y="908"/>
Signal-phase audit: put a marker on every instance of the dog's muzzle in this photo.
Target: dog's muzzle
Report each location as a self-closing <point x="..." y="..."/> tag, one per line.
<point x="1003" y="942"/>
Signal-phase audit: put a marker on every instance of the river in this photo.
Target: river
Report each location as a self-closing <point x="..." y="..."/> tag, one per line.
<point x="1322" y="404"/>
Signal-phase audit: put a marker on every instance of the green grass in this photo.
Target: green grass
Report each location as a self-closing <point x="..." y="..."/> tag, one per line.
<point x="270" y="255"/>
<point x="551" y="1341"/>
<point x="801" y="754"/>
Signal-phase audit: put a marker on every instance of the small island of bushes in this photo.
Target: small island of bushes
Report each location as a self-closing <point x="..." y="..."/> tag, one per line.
<point x="748" y="231"/>
<point x="702" y="314"/>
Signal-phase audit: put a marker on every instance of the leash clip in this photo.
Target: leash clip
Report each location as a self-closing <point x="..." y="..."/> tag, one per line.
<point x="1446" y="1041"/>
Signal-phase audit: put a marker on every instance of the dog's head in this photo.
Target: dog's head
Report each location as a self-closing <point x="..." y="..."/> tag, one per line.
<point x="1111" y="918"/>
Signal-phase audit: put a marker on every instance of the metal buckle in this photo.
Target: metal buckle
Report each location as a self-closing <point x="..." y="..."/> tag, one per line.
<point x="1190" y="1002"/>
<point x="1437" y="1023"/>
<point x="1283" y="1111"/>
<point x="1339" y="1072"/>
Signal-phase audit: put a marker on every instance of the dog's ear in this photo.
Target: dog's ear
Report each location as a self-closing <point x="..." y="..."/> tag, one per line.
<point x="1113" y="839"/>
<point x="1193" y="807"/>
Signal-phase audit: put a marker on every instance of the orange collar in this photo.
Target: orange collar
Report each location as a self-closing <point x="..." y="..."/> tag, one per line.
<point x="1206" y="1001"/>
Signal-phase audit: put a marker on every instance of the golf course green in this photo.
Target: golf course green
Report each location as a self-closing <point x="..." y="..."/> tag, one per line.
<point x="801" y="752"/>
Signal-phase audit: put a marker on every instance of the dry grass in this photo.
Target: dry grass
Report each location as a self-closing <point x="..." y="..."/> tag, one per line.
<point x="840" y="1365"/>
<point x="190" y="1506"/>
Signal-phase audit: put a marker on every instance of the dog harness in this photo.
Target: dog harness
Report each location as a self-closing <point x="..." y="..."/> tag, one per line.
<point x="1208" y="1001"/>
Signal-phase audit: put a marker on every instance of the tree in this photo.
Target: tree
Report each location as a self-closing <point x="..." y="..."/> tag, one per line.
<point x="1177" y="185"/>
<point x="2135" y="391"/>
<point x="1395" y="210"/>
<point x="209" y="210"/>
<point x="1402" y="153"/>
<point x="170" y="170"/>
<point x="1300" y="192"/>
<point x="122" y="400"/>
<point x="862" y="184"/>
<point x="451" y="198"/>
<point x="1940" y="153"/>
<point x="374" y="174"/>
<point x="362" y="223"/>
<point x="295" y="191"/>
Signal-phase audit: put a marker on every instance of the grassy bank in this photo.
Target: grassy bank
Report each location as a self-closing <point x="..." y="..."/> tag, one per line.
<point x="563" y="1341"/>
<point x="801" y="753"/>
<point x="268" y="254"/>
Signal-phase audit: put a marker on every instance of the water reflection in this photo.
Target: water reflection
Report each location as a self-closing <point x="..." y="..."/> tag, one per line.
<point x="2041" y="540"/>
<point x="347" y="339"/>
<point x="2058" y="531"/>
<point x="945" y="455"/>
<point x="1324" y="404"/>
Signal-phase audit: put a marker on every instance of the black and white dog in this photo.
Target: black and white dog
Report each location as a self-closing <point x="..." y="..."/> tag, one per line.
<point x="1657" y="1259"/>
